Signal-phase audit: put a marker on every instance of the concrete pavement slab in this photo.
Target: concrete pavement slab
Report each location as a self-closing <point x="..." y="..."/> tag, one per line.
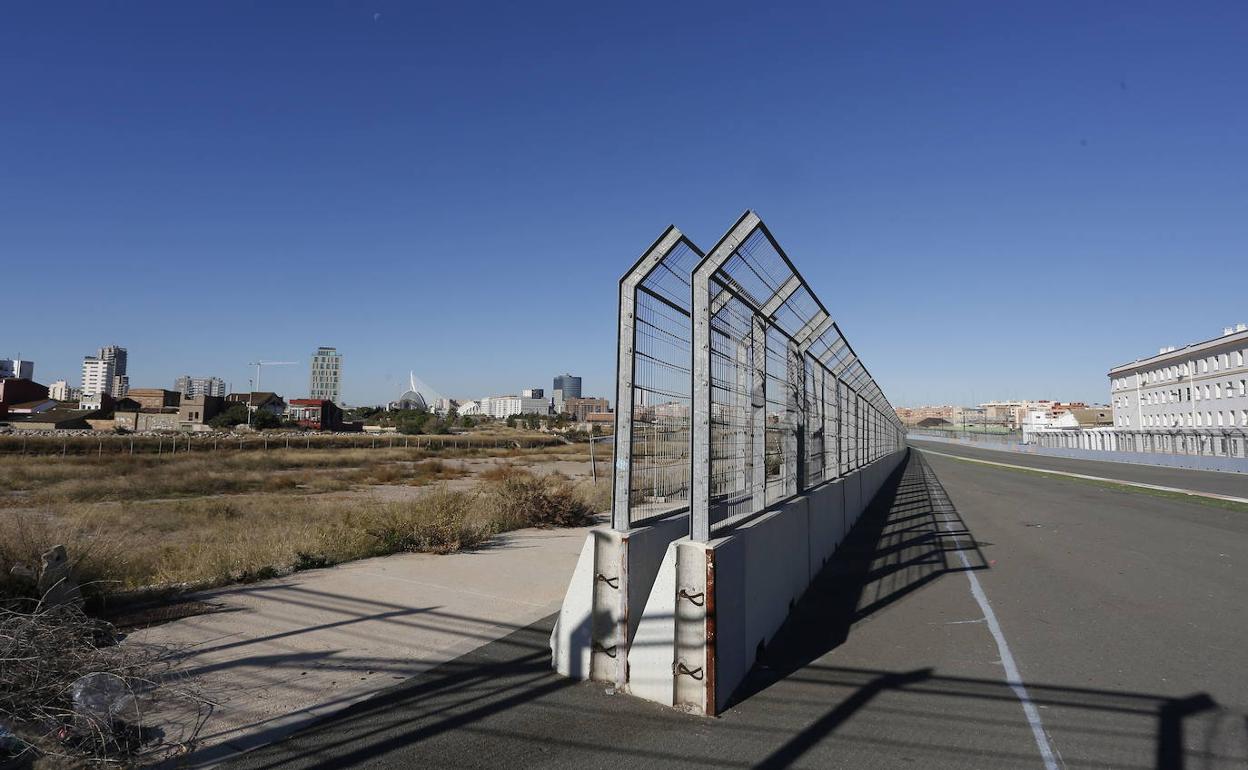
<point x="279" y="653"/>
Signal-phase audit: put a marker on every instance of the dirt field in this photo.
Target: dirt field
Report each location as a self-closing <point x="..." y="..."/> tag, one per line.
<point x="208" y="518"/>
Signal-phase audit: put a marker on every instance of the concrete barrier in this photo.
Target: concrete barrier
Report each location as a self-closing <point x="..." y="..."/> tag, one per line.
<point x="827" y="522"/>
<point x="597" y="620"/>
<point x="714" y="606"/>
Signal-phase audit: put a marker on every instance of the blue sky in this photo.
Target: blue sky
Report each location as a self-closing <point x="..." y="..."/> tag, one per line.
<point x="994" y="200"/>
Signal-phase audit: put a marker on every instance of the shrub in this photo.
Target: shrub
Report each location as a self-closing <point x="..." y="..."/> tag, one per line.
<point x="235" y="414"/>
<point x="441" y="521"/>
<point x="523" y="500"/>
<point x="263" y="420"/>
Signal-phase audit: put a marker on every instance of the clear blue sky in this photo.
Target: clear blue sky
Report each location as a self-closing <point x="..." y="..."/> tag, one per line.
<point x="994" y="200"/>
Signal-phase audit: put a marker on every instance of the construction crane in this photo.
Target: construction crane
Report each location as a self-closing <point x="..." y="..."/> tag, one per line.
<point x="251" y="406"/>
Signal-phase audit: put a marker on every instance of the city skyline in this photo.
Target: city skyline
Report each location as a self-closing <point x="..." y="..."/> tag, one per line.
<point x="990" y="250"/>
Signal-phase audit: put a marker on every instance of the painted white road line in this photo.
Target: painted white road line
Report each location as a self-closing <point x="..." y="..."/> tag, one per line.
<point x="1012" y="676"/>
<point x="1140" y="484"/>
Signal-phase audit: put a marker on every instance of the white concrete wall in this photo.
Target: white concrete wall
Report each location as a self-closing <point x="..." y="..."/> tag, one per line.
<point x="761" y="569"/>
<point x="596" y="610"/>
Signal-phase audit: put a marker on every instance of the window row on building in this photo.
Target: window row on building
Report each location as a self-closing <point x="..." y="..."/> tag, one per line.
<point x="1226" y="419"/>
<point x="1230" y="360"/>
<point x="1177" y="395"/>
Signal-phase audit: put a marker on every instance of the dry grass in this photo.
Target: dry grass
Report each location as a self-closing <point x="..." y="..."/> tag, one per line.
<point x="218" y="540"/>
<point x="75" y="698"/>
<point x="44" y="480"/>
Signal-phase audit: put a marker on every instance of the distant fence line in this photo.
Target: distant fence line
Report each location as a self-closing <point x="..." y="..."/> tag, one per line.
<point x="81" y="445"/>
<point x="1225" y="450"/>
<point x="1198" y="443"/>
<point x="970" y="436"/>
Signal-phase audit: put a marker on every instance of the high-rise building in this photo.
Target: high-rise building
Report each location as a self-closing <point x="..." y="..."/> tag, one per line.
<point x="97" y="376"/>
<point x="16" y="367"/>
<point x="59" y="390"/>
<point x="565" y="386"/>
<point x="199" y="386"/>
<point x="120" y="380"/>
<point x="326" y="375"/>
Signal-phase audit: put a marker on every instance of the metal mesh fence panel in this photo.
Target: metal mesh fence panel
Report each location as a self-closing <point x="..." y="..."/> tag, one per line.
<point x="736" y="390"/>
<point x="788" y="404"/>
<point x="660" y="410"/>
<point x="732" y="387"/>
<point x="652" y="394"/>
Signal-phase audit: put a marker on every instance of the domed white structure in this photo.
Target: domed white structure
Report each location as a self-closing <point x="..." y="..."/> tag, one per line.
<point x="411" y="398"/>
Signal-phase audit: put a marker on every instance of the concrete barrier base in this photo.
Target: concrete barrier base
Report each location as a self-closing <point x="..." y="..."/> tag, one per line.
<point x="597" y="620"/>
<point x="709" y="608"/>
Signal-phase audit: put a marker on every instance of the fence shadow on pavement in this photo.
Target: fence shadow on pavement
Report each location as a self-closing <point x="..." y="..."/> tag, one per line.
<point x="910" y="536"/>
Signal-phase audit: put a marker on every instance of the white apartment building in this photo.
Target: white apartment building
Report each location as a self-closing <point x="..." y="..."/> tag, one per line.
<point x="326" y="375"/>
<point x="1201" y="386"/>
<point x="502" y="407"/>
<point x="59" y="390"/>
<point x="16" y="367"/>
<point x="98" y="376"/>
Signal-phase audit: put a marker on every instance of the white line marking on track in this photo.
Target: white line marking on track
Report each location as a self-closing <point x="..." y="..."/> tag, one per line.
<point x="1012" y="676"/>
<point x="1142" y="485"/>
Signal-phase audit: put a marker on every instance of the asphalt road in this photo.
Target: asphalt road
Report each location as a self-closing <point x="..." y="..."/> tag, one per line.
<point x="1235" y="484"/>
<point x="1124" y="614"/>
